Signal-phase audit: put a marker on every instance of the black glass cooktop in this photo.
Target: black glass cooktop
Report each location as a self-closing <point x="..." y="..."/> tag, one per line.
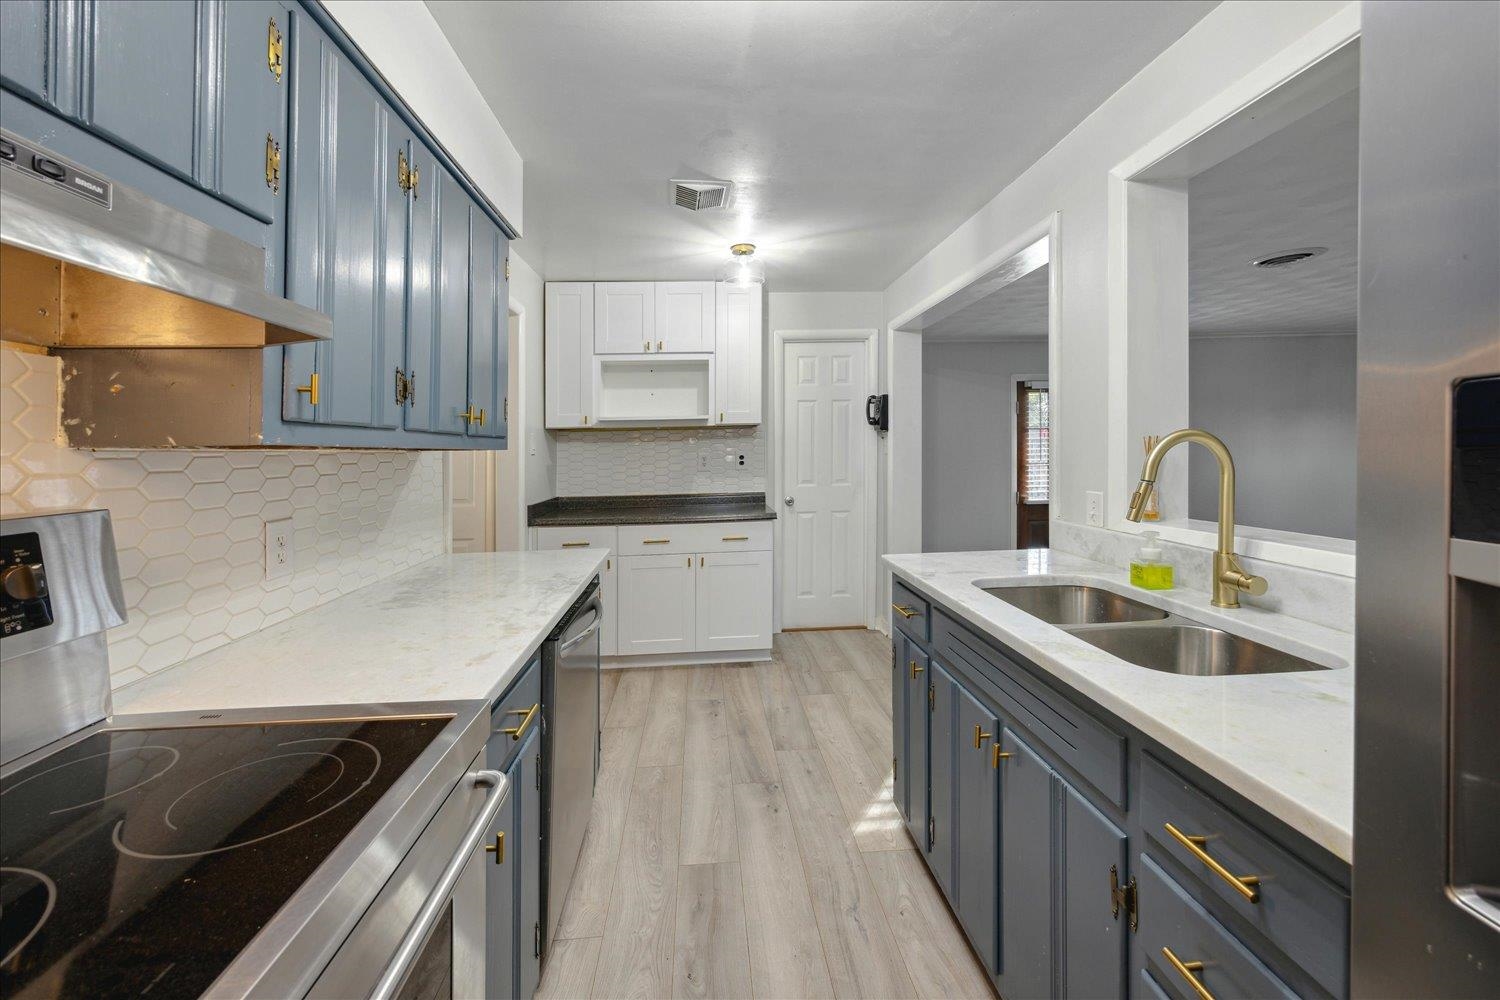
<point x="141" y="862"/>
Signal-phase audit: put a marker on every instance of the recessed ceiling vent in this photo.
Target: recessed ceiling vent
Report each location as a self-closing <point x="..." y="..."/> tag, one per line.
<point x="697" y="196"/>
<point x="1289" y="257"/>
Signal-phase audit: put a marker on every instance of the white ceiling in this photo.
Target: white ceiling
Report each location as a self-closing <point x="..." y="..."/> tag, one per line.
<point x="1297" y="187"/>
<point x="1016" y="312"/>
<point x="859" y="133"/>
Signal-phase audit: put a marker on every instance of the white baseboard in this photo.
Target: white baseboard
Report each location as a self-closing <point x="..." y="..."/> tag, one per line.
<point x="684" y="659"/>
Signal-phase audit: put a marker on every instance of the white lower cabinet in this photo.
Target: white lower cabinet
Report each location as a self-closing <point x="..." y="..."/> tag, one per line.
<point x="657" y="599"/>
<point x="734" y="611"/>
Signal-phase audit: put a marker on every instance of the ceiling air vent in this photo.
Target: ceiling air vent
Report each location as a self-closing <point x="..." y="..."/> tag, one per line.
<point x="695" y="196"/>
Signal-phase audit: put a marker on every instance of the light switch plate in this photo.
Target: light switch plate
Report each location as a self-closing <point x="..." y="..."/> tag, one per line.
<point x="1094" y="509"/>
<point x="278" y="548"/>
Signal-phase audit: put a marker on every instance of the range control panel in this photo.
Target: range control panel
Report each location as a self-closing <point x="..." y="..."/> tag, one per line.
<point x="24" y="601"/>
<point x="43" y="165"/>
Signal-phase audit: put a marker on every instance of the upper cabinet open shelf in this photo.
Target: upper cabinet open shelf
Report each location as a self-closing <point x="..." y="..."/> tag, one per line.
<point x="623" y="354"/>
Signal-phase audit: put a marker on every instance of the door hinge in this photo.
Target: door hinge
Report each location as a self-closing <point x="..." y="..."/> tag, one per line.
<point x="505" y="410"/>
<point x="407" y="175"/>
<point x="273" y="49"/>
<point x="536" y="940"/>
<point x="401" y="387"/>
<point x="539" y="779"/>
<point x="1122" y="895"/>
<point x="931" y="697"/>
<point x="411" y="387"/>
<point x="931" y="832"/>
<point x="507" y="268"/>
<point x="273" y="164"/>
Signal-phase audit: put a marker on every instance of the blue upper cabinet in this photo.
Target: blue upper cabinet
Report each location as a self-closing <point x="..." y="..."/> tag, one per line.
<point x="437" y="336"/>
<point x="250" y="89"/>
<point x="24" y="29"/>
<point x="489" y="309"/>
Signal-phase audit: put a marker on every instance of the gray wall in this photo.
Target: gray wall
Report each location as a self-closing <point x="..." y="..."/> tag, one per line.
<point x="1285" y="408"/>
<point x="968" y="420"/>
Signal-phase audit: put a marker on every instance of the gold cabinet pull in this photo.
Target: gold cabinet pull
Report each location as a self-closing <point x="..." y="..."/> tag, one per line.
<point x="273" y="164"/>
<point x="310" y="389"/>
<point x="648" y="347"/>
<point x="980" y="736"/>
<point x="497" y="848"/>
<point x="655" y="541"/>
<point x="1245" y="885"/>
<point x="735" y="538"/>
<point x="273" y="49"/>
<point x="904" y="611"/>
<point x="473" y="416"/>
<point x="585" y="418"/>
<point x="659" y="346"/>
<point x="999" y="755"/>
<point x="576" y="545"/>
<point x="1188" y="971"/>
<point x="721" y="416"/>
<point x="915" y="670"/>
<point x="528" y="714"/>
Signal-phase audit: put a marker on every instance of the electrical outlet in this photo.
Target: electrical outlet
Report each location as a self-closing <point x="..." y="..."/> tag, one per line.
<point x="1094" y="509"/>
<point x="702" y="460"/>
<point x="278" y="548"/>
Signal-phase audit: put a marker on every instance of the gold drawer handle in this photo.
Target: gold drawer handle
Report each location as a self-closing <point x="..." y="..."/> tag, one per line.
<point x="1188" y="971"/>
<point x="497" y="848"/>
<point x="576" y="545"/>
<point x="915" y="670"/>
<point x="1245" y="885"/>
<point x="310" y="390"/>
<point x="735" y="538"/>
<point x="980" y="736"/>
<point x="655" y="541"/>
<point x="999" y="755"/>
<point x="529" y="713"/>
<point x="905" y="611"/>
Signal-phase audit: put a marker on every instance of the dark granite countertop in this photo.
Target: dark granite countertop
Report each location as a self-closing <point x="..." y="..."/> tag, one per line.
<point x="657" y="508"/>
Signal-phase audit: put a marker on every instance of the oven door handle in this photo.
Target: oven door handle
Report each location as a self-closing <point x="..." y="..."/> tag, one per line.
<point x="432" y="909"/>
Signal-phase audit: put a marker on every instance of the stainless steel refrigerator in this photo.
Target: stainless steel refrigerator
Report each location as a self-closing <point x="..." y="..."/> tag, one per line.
<point x="1426" y="900"/>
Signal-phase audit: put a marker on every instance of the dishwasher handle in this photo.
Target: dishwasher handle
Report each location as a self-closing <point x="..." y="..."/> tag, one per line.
<point x="416" y="935"/>
<point x="581" y="636"/>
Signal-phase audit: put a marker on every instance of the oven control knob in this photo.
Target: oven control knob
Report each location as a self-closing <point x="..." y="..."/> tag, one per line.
<point x="20" y="583"/>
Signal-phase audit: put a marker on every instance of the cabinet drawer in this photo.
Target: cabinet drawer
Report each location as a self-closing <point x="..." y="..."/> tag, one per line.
<point x="1071" y="735"/>
<point x="910" y="611"/>
<point x="725" y="536"/>
<point x="733" y="536"/>
<point x="1300" y="911"/>
<point x="519" y="709"/>
<point x="1171" y="919"/>
<point x="593" y="537"/>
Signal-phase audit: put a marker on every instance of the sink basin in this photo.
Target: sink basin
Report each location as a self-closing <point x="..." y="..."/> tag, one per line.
<point x="1194" y="650"/>
<point x="1069" y="604"/>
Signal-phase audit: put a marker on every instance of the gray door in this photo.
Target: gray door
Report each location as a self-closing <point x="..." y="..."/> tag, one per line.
<point x="251" y="102"/>
<point x="1094" y="938"/>
<point x="141" y="77"/>
<point x="529" y="895"/>
<point x="1025" y="871"/>
<point x="915" y="726"/>
<point x="942" y="780"/>
<point x="437" y="338"/>
<point x="346" y="239"/>
<point x="975" y="822"/>
<point x="489" y="308"/>
<point x="25" y="48"/>
<point x="500" y="890"/>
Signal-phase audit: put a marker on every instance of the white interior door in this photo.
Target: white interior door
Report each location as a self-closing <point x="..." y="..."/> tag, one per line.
<point x="823" y="579"/>
<point x="472" y="489"/>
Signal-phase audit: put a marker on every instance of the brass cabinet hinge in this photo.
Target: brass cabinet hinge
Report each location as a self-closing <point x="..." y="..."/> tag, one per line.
<point x="273" y="49"/>
<point x="1123" y="895"/>
<point x="411" y="387"/>
<point x="403" y="171"/>
<point x="273" y="163"/>
<point x="401" y="387"/>
<point x="507" y="269"/>
<point x="931" y="697"/>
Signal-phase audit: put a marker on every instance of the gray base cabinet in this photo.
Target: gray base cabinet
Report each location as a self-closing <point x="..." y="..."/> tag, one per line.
<point x="513" y="890"/>
<point x="1049" y="828"/>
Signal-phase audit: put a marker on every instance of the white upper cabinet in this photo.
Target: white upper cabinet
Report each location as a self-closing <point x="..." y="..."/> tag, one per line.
<point x="684" y="317"/>
<point x="624" y="317"/>
<point x="569" y="353"/>
<point x="737" y="354"/>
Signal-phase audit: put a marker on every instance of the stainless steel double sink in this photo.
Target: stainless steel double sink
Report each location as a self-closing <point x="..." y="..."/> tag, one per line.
<point x="1146" y="636"/>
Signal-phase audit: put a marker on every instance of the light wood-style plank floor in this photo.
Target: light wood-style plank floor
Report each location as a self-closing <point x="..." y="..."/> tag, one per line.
<point x="744" y="842"/>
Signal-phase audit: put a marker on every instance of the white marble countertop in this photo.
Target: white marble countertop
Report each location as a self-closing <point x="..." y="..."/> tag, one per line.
<point x="1283" y="741"/>
<point x="455" y="628"/>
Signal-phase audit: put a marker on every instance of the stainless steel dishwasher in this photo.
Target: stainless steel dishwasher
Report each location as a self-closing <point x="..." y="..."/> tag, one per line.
<point x="570" y="744"/>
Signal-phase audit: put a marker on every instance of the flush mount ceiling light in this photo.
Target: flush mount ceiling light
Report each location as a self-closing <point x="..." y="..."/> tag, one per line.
<point x="1288" y="257"/>
<point x="741" y="268"/>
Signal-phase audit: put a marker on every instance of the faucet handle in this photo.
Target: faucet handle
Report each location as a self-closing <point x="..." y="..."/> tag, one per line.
<point x="1237" y="578"/>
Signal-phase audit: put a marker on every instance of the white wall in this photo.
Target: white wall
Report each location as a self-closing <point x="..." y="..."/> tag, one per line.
<point x="403" y="40"/>
<point x="1285" y="408"/>
<point x="968" y="425"/>
<point x="1071" y="179"/>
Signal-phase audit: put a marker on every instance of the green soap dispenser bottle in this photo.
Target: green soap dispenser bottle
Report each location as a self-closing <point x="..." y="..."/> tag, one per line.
<point x="1147" y="570"/>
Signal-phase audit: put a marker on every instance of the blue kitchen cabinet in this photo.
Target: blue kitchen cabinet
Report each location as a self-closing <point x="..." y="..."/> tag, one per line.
<point x="1094" y="954"/>
<point x="489" y="310"/>
<point x="909" y="720"/>
<point x="976" y="815"/>
<point x="346" y="240"/>
<point x="250" y="91"/>
<point x="25" y="30"/>
<point x="500" y="898"/>
<point x="942" y="700"/>
<point x="1026" y="901"/>
<point x="437" y="333"/>
<point x="529" y="844"/>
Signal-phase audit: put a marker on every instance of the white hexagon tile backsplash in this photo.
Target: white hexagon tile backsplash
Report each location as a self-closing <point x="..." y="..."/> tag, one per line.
<point x="189" y="524"/>
<point x="668" y="460"/>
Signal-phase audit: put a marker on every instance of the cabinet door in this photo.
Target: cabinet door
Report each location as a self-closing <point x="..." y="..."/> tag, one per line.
<point x="942" y="779"/>
<point x="738" y="354"/>
<point x="975" y="824"/>
<point x="914" y="694"/>
<point x="1094" y="938"/>
<point x="656" y="598"/>
<point x="900" y="780"/>
<point x="251" y="103"/>
<point x="488" y="328"/>
<point x="346" y="239"/>
<point x="1025" y="965"/>
<point x="26" y="47"/>
<point x="610" y="595"/>
<point x="685" y="316"/>
<point x="141" y="77"/>
<point x="500" y="889"/>
<point x="437" y="332"/>
<point x="569" y="353"/>
<point x="624" y="317"/>
<point x="734" y="601"/>
<point x="528" y="946"/>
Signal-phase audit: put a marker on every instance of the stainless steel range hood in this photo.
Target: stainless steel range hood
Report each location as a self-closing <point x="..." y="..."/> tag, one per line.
<point x="86" y="262"/>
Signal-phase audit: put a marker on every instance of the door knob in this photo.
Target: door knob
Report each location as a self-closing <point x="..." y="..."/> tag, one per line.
<point x="791" y="501"/>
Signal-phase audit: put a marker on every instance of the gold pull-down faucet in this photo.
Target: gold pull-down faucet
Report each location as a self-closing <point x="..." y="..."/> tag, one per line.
<point x="1229" y="579"/>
